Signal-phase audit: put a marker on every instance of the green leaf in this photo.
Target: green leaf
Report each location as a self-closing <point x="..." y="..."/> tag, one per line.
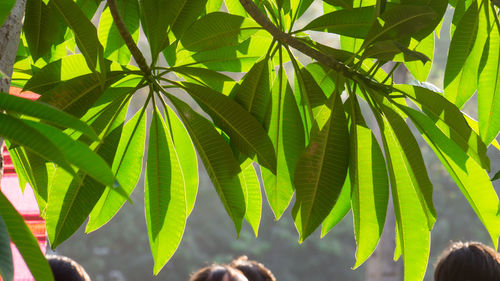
<point x="71" y="199"/>
<point x="466" y="47"/>
<point x="41" y="28"/>
<point x="253" y="196"/>
<point x="25" y="242"/>
<point x="401" y="22"/>
<point x="47" y="113"/>
<point x="349" y="22"/>
<point x="287" y="135"/>
<point x="218" y="30"/>
<point x="218" y="160"/>
<point x="472" y="180"/>
<point x="254" y="93"/>
<point x="6" y="265"/>
<point x="411" y="195"/>
<point x="321" y="171"/>
<point x="155" y="22"/>
<point x="17" y="131"/>
<point x="189" y="11"/>
<point x="85" y="32"/>
<point x="77" y="153"/>
<point x="239" y="58"/>
<point x="387" y="50"/>
<point x="244" y="130"/>
<point x="474" y="126"/>
<point x="5" y="7"/>
<point x="450" y="120"/>
<point x="339" y="210"/>
<point x="213" y="79"/>
<point x="127" y="167"/>
<point x="496" y="176"/>
<point x="369" y="184"/>
<point x="420" y="70"/>
<point x="114" y="46"/>
<point x="187" y="157"/>
<point x="164" y="194"/>
<point x="52" y="74"/>
<point x="488" y="91"/>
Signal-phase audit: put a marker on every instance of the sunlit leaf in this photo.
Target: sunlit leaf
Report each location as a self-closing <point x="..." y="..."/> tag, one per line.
<point x="339" y="210"/>
<point x="253" y="196"/>
<point x="6" y="265"/>
<point x="164" y="194"/>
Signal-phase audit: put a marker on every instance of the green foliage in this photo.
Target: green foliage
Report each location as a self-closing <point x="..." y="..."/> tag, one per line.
<point x="85" y="158"/>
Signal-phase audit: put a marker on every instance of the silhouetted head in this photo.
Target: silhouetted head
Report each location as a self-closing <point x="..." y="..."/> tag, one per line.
<point x="218" y="273"/>
<point x="66" y="269"/>
<point x="470" y="261"/>
<point x="254" y="271"/>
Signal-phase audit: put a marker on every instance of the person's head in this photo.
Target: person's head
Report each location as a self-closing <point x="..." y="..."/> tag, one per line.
<point x="470" y="261"/>
<point x="254" y="271"/>
<point x="66" y="269"/>
<point x="218" y="273"/>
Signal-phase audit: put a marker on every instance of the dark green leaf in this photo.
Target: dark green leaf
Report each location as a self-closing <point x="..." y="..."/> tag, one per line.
<point x="321" y="171"/>
<point x="218" y="30"/>
<point x="217" y="158"/>
<point x="5" y="7"/>
<point x="244" y="130"/>
<point x="339" y="210"/>
<point x="254" y="93"/>
<point x="41" y="27"/>
<point x="85" y="32"/>
<point x="349" y="22"/>
<point x="47" y="113"/>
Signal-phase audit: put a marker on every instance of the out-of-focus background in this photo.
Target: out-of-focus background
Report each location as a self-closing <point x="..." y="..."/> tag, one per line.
<point x="120" y="250"/>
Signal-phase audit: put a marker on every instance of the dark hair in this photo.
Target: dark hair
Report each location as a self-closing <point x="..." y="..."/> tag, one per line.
<point x="468" y="261"/>
<point x="66" y="269"/>
<point x="253" y="270"/>
<point x="216" y="273"/>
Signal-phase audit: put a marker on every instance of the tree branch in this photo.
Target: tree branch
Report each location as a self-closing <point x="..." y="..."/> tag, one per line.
<point x="125" y="34"/>
<point x="291" y="41"/>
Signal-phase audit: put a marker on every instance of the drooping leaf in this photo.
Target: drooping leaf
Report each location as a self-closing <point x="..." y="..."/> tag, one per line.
<point x="420" y="69"/>
<point x="253" y="196"/>
<point x="466" y="47"/>
<point x="71" y="199"/>
<point x="6" y="265"/>
<point x="41" y="26"/>
<point x="217" y="158"/>
<point x="414" y="213"/>
<point x="218" y="30"/>
<point x="243" y="129"/>
<point x="496" y="176"/>
<point x="47" y="113"/>
<point x="321" y="171"/>
<point x="127" y="166"/>
<point x="488" y="91"/>
<point x="475" y="127"/>
<point x="254" y="93"/>
<point x="286" y="133"/>
<point x="450" y="120"/>
<point x="369" y="184"/>
<point x="85" y="32"/>
<point x="164" y="194"/>
<point x="339" y="210"/>
<point x="17" y="131"/>
<point x="472" y="180"/>
<point x="25" y="242"/>
<point x="389" y="50"/>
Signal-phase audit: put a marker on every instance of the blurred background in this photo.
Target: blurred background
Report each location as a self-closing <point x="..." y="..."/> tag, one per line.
<point x="120" y="250"/>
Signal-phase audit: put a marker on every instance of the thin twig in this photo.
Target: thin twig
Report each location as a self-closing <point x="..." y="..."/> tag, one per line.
<point x="125" y="34"/>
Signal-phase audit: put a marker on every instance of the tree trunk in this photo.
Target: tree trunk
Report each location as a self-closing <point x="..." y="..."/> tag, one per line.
<point x="9" y="41"/>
